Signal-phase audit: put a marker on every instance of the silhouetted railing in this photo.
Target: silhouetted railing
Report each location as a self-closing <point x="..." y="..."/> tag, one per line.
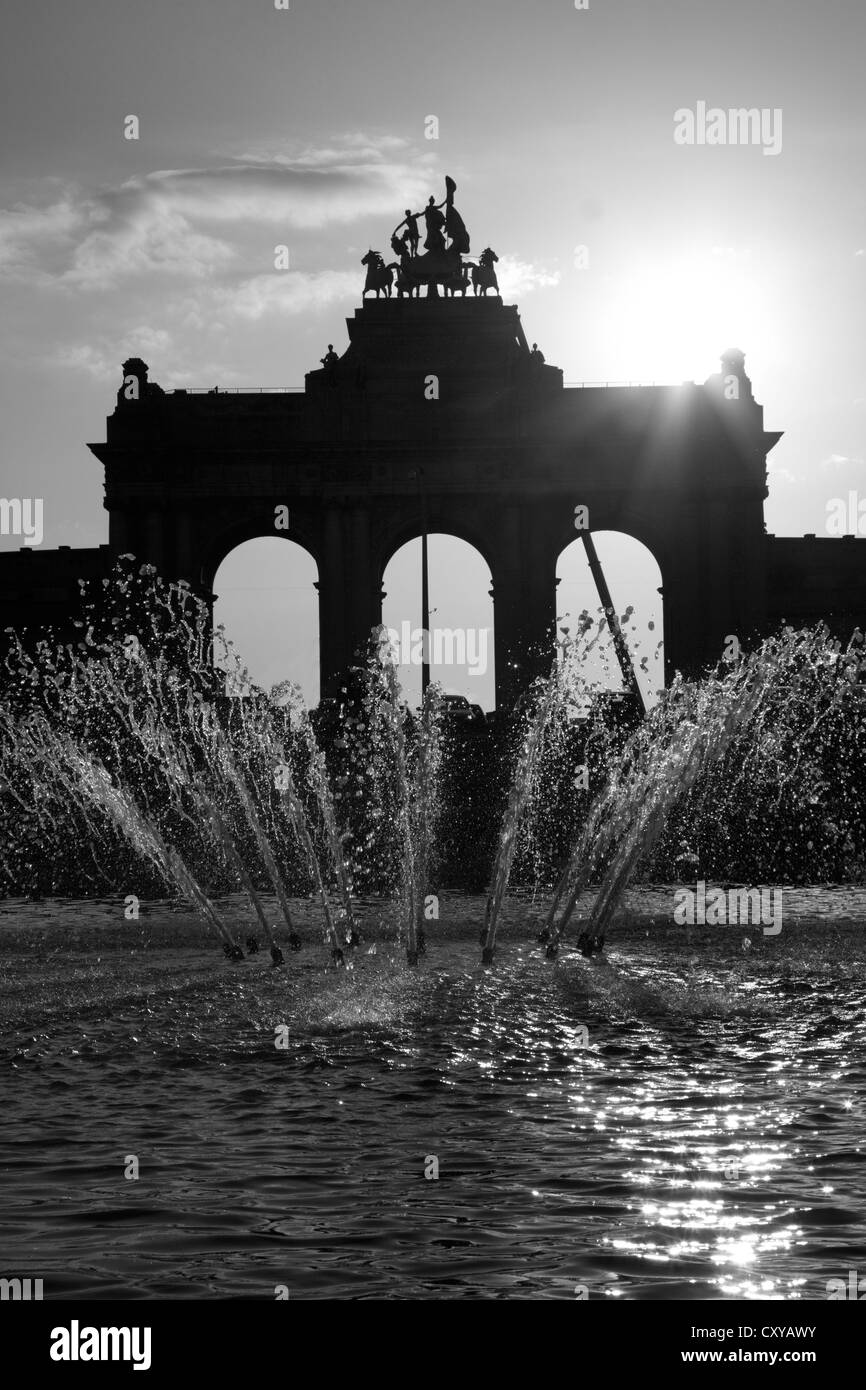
<point x="284" y="390"/>
<point x="232" y="390"/>
<point x="619" y="383"/>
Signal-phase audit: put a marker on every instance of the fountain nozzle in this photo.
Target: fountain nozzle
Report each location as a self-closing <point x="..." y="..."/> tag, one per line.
<point x="590" y="944"/>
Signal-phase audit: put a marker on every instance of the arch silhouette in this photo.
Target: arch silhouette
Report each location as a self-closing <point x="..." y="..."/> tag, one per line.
<point x="364" y="461"/>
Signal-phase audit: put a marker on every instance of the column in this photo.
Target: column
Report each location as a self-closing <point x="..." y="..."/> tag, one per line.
<point x="333" y="654"/>
<point x="154" y="552"/>
<point x="121" y="533"/>
<point x="364" y="588"/>
<point x="524" y="583"/>
<point x="183" y="561"/>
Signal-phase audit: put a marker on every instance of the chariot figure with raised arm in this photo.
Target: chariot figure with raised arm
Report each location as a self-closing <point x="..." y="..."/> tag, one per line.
<point x="441" y="264"/>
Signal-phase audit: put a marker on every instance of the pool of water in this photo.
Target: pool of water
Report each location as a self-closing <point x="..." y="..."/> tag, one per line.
<point x="683" y="1120"/>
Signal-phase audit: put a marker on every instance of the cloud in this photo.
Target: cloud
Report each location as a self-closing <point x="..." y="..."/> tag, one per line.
<point x="840" y="475"/>
<point x="173" y="363"/>
<point x="517" y="278"/>
<point x="841" y="461"/>
<point x="289" y="292"/>
<point x="783" y="475"/>
<point x="103" y="359"/>
<point x="190" y="251"/>
<point x="193" y="222"/>
<point x="296" y="194"/>
<point x="353" y="147"/>
<point x="83" y="357"/>
<point x="30" y="235"/>
<point x="93" y="241"/>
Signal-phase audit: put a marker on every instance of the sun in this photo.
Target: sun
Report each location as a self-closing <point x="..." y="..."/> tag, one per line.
<point x="669" y="321"/>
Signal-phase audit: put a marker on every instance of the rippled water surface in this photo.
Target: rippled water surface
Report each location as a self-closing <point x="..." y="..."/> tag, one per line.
<point x="703" y="1139"/>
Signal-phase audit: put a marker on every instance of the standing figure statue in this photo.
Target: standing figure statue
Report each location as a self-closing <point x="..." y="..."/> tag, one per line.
<point x="434" y="240"/>
<point x="411" y="235"/>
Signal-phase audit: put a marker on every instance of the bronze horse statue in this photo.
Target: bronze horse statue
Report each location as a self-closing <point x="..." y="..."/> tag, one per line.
<point x="483" y="274"/>
<point x="379" y="275"/>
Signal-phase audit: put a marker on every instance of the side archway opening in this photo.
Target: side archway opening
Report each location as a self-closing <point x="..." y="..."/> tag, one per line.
<point x="266" y="601"/>
<point x="635" y="582"/>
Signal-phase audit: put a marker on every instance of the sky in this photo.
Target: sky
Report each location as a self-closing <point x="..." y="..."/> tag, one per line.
<point x="307" y="127"/>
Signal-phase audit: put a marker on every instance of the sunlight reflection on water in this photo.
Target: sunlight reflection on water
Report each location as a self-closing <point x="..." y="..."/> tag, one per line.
<point x="701" y="1140"/>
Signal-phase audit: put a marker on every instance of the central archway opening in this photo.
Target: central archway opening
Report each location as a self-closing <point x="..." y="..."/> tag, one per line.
<point x="267" y="602"/>
<point x="461" y="635"/>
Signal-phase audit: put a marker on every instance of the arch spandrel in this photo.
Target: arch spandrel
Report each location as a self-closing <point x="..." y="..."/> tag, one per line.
<point x="392" y="534"/>
<point x="227" y="536"/>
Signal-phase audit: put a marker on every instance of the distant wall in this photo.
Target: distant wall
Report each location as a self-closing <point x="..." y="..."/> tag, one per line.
<point x="39" y="588"/>
<point x="812" y="579"/>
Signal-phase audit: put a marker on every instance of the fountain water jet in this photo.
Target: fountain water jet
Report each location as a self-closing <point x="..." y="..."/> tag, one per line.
<point x="688" y="732"/>
<point x="109" y="737"/>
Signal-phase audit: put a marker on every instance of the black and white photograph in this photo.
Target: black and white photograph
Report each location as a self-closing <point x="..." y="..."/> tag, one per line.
<point x="432" y="670"/>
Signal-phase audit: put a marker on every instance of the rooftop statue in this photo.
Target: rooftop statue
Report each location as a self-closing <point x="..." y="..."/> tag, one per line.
<point x="435" y="222"/>
<point x="379" y="275"/>
<point x="483" y="274"/>
<point x="446" y="242"/>
<point x="455" y="227"/>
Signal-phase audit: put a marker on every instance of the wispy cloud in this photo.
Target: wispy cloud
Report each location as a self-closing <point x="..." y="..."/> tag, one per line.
<point x="101" y="359"/>
<point x="183" y="259"/>
<point x="289" y="292"/>
<point x="783" y="475"/>
<point x="84" y="357"/>
<point x="194" y="222"/>
<point x="841" y="461"/>
<point x="517" y="278"/>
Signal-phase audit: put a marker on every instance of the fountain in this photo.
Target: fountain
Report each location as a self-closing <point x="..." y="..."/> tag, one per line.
<point x="692" y="1078"/>
<point x="134" y="736"/>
